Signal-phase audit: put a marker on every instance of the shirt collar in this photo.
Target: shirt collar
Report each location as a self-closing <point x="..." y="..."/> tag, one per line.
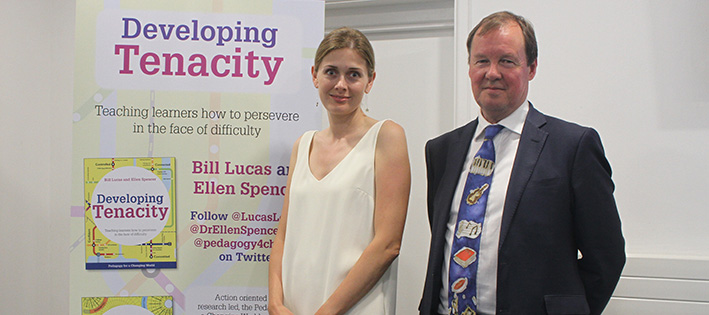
<point x="514" y="122"/>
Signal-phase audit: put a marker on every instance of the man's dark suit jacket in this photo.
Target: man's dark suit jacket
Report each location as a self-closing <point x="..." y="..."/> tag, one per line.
<point x="559" y="201"/>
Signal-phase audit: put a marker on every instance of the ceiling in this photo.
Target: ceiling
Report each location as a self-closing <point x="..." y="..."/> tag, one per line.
<point x="382" y="19"/>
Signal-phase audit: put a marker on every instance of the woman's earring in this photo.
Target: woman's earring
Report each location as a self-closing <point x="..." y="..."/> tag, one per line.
<point x="366" y="103"/>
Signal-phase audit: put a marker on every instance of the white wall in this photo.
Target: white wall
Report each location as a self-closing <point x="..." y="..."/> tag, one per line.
<point x="36" y="75"/>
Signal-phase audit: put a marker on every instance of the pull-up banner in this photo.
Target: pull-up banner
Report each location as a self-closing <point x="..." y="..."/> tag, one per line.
<point x="185" y="113"/>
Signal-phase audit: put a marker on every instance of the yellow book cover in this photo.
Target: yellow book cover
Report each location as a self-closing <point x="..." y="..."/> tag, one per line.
<point x="130" y="213"/>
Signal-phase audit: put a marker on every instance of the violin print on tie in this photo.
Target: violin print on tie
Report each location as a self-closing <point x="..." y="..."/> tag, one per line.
<point x="462" y="294"/>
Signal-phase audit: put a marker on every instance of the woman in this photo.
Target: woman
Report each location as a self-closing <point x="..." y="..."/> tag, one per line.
<point x="346" y="199"/>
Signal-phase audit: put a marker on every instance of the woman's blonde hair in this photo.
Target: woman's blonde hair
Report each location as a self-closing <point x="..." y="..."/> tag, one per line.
<point x="345" y="37"/>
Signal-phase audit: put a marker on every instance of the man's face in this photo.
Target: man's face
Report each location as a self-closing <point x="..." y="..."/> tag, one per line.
<point x="498" y="71"/>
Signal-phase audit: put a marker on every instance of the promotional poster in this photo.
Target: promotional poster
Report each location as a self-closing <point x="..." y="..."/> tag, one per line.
<point x="184" y="117"/>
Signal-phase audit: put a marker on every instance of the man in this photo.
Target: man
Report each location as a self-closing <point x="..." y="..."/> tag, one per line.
<point x="549" y="239"/>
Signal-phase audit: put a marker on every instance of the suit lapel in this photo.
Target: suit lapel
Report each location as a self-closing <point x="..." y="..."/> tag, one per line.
<point x="530" y="147"/>
<point x="457" y="152"/>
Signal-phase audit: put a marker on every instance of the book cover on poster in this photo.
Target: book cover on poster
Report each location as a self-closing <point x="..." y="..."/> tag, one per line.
<point x="130" y="213"/>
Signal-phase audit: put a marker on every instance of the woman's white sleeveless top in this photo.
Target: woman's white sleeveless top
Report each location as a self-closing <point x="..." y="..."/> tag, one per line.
<point x="330" y="223"/>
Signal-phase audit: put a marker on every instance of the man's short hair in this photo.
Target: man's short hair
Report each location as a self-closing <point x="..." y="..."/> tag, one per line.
<point x="499" y="19"/>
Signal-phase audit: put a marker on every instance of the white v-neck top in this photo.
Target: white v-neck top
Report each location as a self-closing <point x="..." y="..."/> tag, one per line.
<point x="330" y="223"/>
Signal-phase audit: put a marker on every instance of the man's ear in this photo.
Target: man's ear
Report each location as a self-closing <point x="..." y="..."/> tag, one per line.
<point x="532" y="70"/>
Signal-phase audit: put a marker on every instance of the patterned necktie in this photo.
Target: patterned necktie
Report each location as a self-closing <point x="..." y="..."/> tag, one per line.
<point x="462" y="293"/>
